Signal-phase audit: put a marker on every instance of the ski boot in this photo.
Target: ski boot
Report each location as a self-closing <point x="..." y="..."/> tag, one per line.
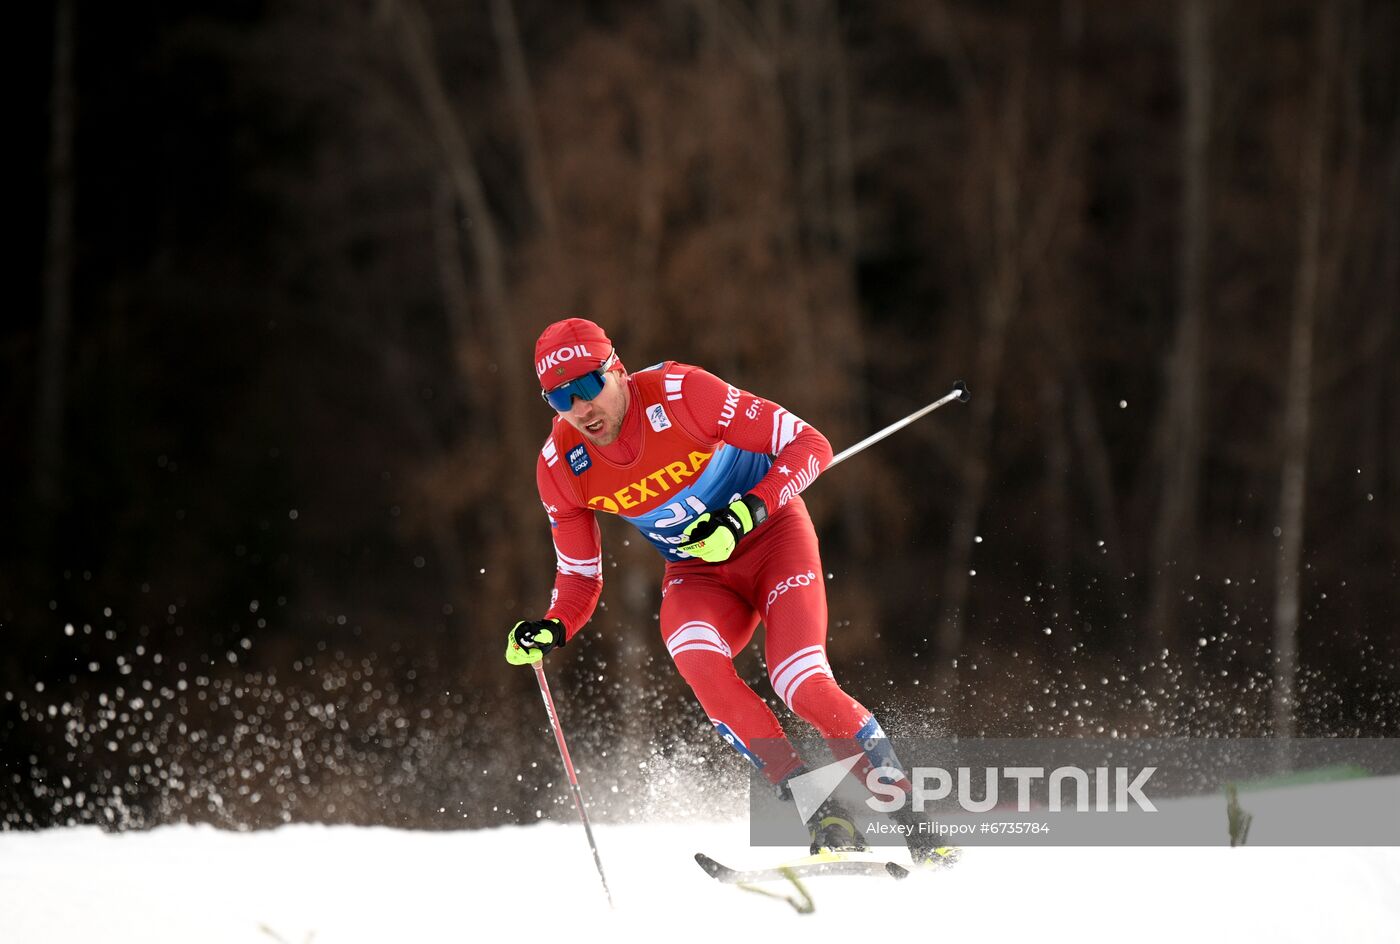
<point x="927" y="849"/>
<point x="832" y="829"/>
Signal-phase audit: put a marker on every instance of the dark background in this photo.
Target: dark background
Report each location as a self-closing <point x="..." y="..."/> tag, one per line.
<point x="269" y="419"/>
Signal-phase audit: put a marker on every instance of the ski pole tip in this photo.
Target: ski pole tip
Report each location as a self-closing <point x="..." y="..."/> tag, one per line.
<point x="960" y="389"/>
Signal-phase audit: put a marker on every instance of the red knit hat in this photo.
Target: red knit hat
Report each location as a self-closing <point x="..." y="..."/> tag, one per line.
<point x="569" y="349"/>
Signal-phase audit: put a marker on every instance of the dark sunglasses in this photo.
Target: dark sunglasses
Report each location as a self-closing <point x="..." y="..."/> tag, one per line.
<point x="585" y="388"/>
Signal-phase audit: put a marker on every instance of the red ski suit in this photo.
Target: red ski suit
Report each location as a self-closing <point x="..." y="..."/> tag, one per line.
<point x="689" y="443"/>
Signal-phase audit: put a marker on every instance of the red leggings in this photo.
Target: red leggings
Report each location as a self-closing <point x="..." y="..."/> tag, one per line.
<point x="709" y="613"/>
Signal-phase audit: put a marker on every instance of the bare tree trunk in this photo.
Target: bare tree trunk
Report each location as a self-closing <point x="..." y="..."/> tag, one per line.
<point x="651" y="222"/>
<point x="761" y="41"/>
<point x="808" y="55"/>
<point x="996" y="303"/>
<point x="404" y="383"/>
<point x="843" y="163"/>
<point x="522" y="98"/>
<point x="828" y="207"/>
<point x="508" y="370"/>
<point x="1098" y="468"/>
<point x="1383" y="385"/>
<point x="803" y="330"/>
<point x="456" y="293"/>
<point x="1058" y="552"/>
<point x="1174" y="551"/>
<point x="1298" y="388"/>
<point x="415" y="41"/>
<point x="58" y="269"/>
<point x="1001" y="298"/>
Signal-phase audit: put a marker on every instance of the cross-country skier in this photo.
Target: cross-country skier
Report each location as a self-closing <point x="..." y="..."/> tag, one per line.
<point x="710" y="475"/>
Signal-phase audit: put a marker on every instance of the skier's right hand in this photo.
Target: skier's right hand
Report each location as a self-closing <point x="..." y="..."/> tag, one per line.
<point x="529" y="640"/>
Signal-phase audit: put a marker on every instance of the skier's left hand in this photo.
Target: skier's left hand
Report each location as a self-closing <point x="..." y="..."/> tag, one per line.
<point x="713" y="536"/>
<point x="529" y="640"/>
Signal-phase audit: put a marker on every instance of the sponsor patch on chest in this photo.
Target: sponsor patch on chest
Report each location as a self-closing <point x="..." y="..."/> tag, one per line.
<point x="579" y="459"/>
<point x="651" y="486"/>
<point x="656" y="415"/>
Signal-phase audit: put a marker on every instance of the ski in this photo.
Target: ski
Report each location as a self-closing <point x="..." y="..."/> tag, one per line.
<point x="823" y="864"/>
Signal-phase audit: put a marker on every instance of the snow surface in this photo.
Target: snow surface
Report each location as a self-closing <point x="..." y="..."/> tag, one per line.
<point x="337" y="885"/>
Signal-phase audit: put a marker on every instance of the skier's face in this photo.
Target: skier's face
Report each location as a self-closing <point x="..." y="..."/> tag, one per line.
<point x="600" y="419"/>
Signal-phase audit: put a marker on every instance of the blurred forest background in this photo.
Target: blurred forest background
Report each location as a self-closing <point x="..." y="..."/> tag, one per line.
<point x="270" y="422"/>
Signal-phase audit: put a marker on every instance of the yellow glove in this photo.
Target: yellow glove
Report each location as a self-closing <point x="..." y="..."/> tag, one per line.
<point x="529" y="640"/>
<point x="713" y="536"/>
